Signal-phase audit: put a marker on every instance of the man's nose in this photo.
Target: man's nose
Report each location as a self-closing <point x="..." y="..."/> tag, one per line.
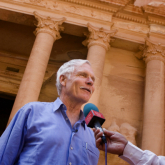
<point x="90" y="81"/>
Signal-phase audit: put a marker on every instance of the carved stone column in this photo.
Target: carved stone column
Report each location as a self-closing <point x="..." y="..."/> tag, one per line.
<point x="47" y="31"/>
<point x="153" y="121"/>
<point x="98" y="41"/>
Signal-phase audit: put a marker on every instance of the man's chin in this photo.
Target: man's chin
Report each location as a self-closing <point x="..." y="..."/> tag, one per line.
<point x="83" y="99"/>
<point x="86" y="100"/>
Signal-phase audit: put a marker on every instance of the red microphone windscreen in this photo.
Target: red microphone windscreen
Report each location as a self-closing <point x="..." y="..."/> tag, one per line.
<point x="92" y="117"/>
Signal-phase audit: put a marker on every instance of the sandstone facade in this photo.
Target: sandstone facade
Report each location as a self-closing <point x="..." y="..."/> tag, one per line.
<point x="123" y="39"/>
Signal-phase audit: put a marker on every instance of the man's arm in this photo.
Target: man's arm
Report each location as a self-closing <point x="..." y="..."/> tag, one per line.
<point x="118" y="144"/>
<point x="135" y="156"/>
<point x="12" y="140"/>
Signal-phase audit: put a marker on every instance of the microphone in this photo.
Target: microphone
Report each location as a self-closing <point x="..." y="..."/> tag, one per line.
<point x="93" y="118"/>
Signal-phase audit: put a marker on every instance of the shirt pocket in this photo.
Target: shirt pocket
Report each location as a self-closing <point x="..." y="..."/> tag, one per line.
<point x="91" y="153"/>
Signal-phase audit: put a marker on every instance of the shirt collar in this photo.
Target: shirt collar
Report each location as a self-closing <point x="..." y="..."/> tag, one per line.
<point x="82" y="119"/>
<point x="58" y="104"/>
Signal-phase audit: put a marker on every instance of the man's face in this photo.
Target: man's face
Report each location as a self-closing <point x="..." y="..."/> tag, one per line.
<point x="80" y="86"/>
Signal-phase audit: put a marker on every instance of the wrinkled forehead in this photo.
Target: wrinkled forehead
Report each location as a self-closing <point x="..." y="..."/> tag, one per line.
<point x="86" y="68"/>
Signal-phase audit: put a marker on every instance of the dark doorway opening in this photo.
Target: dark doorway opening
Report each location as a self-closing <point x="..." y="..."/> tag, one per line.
<point x="5" y="109"/>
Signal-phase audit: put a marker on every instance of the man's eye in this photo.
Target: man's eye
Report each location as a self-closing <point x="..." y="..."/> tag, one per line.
<point x="83" y="75"/>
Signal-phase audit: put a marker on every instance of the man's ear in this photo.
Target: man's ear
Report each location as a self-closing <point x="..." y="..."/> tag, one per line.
<point x="63" y="80"/>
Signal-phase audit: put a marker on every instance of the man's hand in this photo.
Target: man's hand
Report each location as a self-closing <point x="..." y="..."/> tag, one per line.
<point x="116" y="142"/>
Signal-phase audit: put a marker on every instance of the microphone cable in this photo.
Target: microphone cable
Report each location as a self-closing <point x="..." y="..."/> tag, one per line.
<point x="105" y="153"/>
<point x="105" y="142"/>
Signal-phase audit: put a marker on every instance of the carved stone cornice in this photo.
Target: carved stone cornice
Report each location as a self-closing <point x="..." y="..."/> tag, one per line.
<point x="98" y="36"/>
<point x="157" y="29"/>
<point x="49" y="4"/>
<point x="131" y="26"/>
<point x="92" y="9"/>
<point x="49" y="25"/>
<point x="156" y="20"/>
<point x="130" y="17"/>
<point x="97" y="5"/>
<point x="117" y="2"/>
<point x="160" y="10"/>
<point x="134" y="9"/>
<point x="153" y="51"/>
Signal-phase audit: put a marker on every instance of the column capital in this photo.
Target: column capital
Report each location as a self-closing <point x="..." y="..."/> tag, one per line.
<point x="153" y="51"/>
<point x="98" y="36"/>
<point x="48" y="25"/>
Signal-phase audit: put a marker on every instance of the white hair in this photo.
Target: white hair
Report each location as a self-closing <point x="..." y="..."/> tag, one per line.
<point x="67" y="69"/>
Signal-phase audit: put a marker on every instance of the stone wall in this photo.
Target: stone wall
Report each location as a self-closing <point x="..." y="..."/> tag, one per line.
<point x="122" y="95"/>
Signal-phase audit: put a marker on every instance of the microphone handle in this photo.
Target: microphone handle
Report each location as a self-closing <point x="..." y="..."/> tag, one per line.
<point x="97" y="125"/>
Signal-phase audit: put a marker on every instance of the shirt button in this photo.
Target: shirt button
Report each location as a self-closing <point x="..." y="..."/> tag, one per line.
<point x="71" y="148"/>
<point x="66" y="118"/>
<point x="70" y="163"/>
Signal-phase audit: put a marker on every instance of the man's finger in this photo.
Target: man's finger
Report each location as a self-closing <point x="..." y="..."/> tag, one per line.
<point x="108" y="133"/>
<point x="98" y="143"/>
<point x="96" y="132"/>
<point x="98" y="135"/>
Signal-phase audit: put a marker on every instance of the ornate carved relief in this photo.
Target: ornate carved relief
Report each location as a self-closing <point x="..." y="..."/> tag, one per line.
<point x="125" y="129"/>
<point x="102" y="11"/>
<point x="45" y="3"/>
<point x="155" y="10"/>
<point x="86" y="12"/>
<point x="98" y="36"/>
<point x="134" y="9"/>
<point x="153" y="51"/>
<point x="114" y="127"/>
<point x="132" y="27"/>
<point x="139" y="54"/>
<point x="156" y="20"/>
<point x="73" y="9"/>
<point x="157" y="29"/>
<point x="117" y="2"/>
<point x="129" y="132"/>
<point x="94" y="5"/>
<point x="48" y="25"/>
<point x="131" y="17"/>
<point x="157" y="3"/>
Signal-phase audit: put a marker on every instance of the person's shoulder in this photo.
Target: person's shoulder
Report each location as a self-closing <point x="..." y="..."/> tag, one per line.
<point x="36" y="109"/>
<point x="37" y="105"/>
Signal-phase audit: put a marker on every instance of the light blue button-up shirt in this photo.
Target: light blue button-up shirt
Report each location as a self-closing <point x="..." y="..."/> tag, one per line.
<point x="41" y="134"/>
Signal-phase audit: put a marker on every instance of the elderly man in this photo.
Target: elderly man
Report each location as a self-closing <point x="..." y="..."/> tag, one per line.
<point x="54" y="133"/>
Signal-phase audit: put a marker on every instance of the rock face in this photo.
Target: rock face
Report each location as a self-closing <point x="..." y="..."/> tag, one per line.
<point x="124" y="41"/>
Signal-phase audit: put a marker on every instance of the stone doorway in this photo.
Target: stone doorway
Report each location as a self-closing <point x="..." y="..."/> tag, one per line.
<point x="6" y="105"/>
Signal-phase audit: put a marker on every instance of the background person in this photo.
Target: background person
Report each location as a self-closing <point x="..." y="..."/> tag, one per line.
<point x="118" y="144"/>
